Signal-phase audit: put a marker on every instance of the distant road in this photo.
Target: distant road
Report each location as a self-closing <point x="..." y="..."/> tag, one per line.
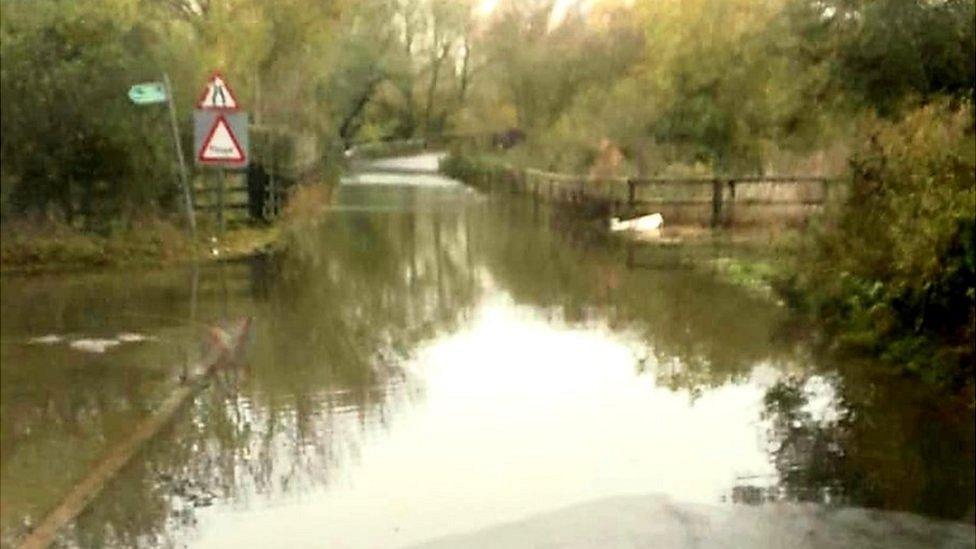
<point x="410" y="170"/>
<point x="418" y="163"/>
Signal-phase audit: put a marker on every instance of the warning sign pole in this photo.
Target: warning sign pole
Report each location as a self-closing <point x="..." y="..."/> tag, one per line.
<point x="179" y="155"/>
<point x="220" y="140"/>
<point x="221" y="180"/>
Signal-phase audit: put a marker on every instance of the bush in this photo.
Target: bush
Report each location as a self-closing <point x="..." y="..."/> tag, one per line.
<point x="70" y="138"/>
<point x="893" y="273"/>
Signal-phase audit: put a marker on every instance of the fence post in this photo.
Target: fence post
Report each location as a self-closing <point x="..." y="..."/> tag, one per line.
<point x="730" y="208"/>
<point x="273" y="192"/>
<point x="716" y="202"/>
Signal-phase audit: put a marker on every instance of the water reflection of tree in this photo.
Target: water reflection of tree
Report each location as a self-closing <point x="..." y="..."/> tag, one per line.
<point x="338" y="318"/>
<point x="701" y="333"/>
<point x="893" y="444"/>
<point x="889" y="444"/>
<point x="61" y="409"/>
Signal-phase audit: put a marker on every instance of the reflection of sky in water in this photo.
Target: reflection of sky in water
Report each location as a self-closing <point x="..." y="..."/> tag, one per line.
<point x="821" y="401"/>
<point x="518" y="416"/>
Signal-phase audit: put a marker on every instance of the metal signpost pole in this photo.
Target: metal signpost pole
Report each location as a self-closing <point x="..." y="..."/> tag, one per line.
<point x="221" y="176"/>
<point x="179" y="154"/>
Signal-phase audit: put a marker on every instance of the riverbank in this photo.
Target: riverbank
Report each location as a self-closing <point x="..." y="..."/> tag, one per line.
<point x="875" y="284"/>
<point x="756" y="261"/>
<point x="753" y="257"/>
<point x="34" y="247"/>
<point x="714" y="199"/>
<point x="53" y="247"/>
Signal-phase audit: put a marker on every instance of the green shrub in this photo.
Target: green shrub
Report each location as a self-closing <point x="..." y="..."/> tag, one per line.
<point x="893" y="271"/>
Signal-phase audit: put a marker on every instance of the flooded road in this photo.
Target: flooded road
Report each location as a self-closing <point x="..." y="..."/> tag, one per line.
<point x="427" y="362"/>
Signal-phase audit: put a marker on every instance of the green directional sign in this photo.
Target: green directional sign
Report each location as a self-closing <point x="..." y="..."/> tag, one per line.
<point x="148" y="93"/>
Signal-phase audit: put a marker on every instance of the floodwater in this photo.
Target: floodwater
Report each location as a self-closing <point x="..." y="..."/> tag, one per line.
<point x="428" y="362"/>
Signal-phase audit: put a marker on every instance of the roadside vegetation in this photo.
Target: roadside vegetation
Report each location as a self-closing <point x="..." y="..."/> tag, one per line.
<point x="893" y="271"/>
<point x="36" y="246"/>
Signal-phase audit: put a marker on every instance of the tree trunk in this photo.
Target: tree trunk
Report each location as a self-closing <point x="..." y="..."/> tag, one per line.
<point x="435" y="69"/>
<point x="348" y="127"/>
<point x="463" y="87"/>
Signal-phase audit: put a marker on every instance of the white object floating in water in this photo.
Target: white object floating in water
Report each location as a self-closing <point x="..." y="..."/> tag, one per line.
<point x="643" y="223"/>
<point x="49" y="339"/>
<point x="130" y="337"/>
<point x="93" y="345"/>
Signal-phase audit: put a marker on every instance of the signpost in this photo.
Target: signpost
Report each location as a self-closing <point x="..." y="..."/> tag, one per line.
<point x="187" y="199"/>
<point x="152" y="93"/>
<point x="217" y="95"/>
<point x="221" y="145"/>
<point x="220" y="137"/>
<point x="148" y="94"/>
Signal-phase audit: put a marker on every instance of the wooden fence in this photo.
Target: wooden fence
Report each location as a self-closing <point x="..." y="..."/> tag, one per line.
<point x="239" y="197"/>
<point x="220" y="198"/>
<point x="718" y="200"/>
<point x="714" y="200"/>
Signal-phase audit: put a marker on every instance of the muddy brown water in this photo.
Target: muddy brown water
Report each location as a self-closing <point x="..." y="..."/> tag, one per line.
<point x="427" y="362"/>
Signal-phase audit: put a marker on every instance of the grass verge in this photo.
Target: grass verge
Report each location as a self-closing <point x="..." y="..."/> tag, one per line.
<point x="36" y="247"/>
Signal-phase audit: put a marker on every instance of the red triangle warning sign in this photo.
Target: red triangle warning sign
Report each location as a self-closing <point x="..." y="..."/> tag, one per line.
<point x="220" y="145"/>
<point x="217" y="95"/>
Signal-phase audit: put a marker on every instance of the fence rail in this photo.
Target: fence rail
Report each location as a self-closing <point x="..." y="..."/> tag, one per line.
<point x="720" y="199"/>
<point x="255" y="195"/>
